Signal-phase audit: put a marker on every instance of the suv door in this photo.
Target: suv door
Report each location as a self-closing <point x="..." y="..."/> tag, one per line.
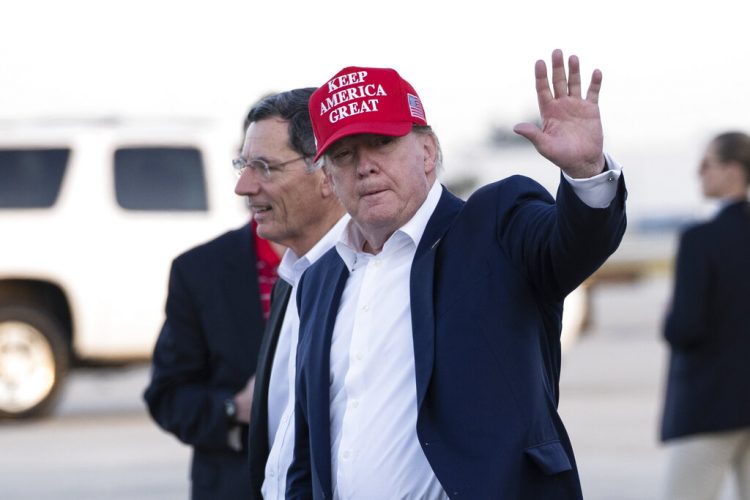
<point x="34" y="329"/>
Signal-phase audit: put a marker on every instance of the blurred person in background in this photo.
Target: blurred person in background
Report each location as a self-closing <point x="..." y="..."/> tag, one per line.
<point x="203" y="371"/>
<point x="706" y="417"/>
<point x="293" y="205"/>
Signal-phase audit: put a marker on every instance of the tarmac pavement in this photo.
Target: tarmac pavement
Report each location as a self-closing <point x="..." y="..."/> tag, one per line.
<point x="611" y="392"/>
<point x="101" y="444"/>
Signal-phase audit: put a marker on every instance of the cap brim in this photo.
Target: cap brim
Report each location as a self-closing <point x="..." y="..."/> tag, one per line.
<point x="394" y="129"/>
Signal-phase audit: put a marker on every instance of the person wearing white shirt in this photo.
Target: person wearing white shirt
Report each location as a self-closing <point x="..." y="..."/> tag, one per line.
<point x="429" y="355"/>
<point x="293" y="205"/>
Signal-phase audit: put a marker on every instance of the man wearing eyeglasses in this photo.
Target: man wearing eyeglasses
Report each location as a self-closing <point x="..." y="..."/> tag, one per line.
<point x="294" y="205"/>
<point x="204" y="363"/>
<point x="429" y="345"/>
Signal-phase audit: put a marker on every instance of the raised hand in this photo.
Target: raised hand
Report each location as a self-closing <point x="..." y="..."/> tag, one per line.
<point x="571" y="134"/>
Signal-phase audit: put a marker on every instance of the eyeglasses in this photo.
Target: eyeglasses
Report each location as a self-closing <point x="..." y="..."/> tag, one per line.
<point x="260" y="167"/>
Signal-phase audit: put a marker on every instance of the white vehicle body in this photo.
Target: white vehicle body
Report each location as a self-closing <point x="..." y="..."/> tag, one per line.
<point x="97" y="269"/>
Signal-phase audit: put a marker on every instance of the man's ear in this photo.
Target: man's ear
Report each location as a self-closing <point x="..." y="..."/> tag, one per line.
<point x="430" y="153"/>
<point x="326" y="183"/>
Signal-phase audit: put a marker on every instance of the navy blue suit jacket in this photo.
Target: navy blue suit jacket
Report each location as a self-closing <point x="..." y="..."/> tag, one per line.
<point x="487" y="285"/>
<point x="708" y="330"/>
<point x="205" y="353"/>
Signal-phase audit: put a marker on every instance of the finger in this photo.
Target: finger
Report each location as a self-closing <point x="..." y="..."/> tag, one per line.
<point x="559" y="81"/>
<point x="596" y="84"/>
<point x="543" y="93"/>
<point x="574" y="78"/>
<point x="527" y="130"/>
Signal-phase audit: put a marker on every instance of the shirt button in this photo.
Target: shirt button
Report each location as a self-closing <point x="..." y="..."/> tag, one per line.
<point x="378" y="263"/>
<point x="272" y="473"/>
<point x="360" y="356"/>
<point x="365" y="308"/>
<point x="355" y="403"/>
<point x="347" y="455"/>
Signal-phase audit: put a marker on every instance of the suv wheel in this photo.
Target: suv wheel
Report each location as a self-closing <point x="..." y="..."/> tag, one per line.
<point x="33" y="361"/>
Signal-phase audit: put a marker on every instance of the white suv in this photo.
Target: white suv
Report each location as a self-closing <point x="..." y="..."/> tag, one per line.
<point x="91" y="215"/>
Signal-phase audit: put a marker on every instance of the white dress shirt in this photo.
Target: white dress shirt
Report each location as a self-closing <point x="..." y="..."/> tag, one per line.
<point x="375" y="452"/>
<point x="281" y="382"/>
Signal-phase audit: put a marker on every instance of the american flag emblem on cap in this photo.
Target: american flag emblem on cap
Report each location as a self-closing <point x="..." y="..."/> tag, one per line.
<point x="415" y="107"/>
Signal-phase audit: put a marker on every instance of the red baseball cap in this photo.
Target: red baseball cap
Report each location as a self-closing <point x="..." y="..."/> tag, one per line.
<point x="363" y="101"/>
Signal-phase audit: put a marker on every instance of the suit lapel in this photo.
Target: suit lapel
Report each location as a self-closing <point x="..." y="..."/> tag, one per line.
<point x="319" y="400"/>
<point x="279" y="299"/>
<point x="422" y="290"/>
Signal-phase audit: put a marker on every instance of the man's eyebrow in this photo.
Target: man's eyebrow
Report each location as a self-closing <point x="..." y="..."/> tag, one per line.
<point x="262" y="157"/>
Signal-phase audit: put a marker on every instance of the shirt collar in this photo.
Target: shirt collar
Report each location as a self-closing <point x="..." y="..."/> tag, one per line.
<point x="351" y="240"/>
<point x="292" y="267"/>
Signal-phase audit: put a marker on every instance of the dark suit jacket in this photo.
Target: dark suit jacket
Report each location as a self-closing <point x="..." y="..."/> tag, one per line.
<point x="708" y="328"/>
<point x="258" y="444"/>
<point x="487" y="285"/>
<point x="205" y="353"/>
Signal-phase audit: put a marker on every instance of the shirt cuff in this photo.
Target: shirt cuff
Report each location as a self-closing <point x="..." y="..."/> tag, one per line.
<point x="598" y="191"/>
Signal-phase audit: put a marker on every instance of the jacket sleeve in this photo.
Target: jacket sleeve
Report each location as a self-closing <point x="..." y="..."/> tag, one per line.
<point x="687" y="320"/>
<point x="179" y="397"/>
<point x="558" y="243"/>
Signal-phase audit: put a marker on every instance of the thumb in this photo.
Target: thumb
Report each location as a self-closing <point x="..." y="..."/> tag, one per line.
<point x="528" y="130"/>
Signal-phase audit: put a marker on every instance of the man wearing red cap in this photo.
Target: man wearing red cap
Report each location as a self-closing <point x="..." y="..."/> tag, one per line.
<point x="429" y="358"/>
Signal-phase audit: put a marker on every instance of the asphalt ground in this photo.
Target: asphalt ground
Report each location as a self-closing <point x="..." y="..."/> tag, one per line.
<point x="101" y="444"/>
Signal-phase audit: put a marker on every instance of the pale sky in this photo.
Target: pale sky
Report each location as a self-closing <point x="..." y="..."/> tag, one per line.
<point x="674" y="74"/>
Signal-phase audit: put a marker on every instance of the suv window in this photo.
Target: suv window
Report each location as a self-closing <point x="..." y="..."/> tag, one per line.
<point x="160" y="179"/>
<point x="31" y="178"/>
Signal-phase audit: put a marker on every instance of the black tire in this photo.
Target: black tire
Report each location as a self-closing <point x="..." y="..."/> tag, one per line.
<point x="31" y="342"/>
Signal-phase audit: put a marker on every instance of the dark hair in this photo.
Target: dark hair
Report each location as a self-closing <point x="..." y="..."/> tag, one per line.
<point x="291" y="106"/>
<point x="734" y="146"/>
